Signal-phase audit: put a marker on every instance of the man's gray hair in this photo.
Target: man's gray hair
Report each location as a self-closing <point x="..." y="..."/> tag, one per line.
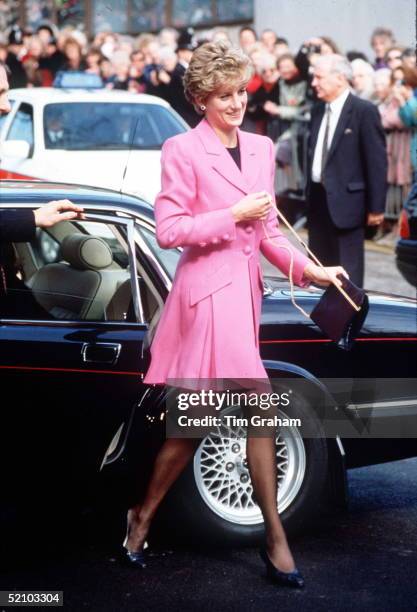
<point x="335" y="63"/>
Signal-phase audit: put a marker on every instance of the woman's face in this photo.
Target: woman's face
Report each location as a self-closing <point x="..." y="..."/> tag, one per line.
<point x="287" y="69"/>
<point x="361" y="80"/>
<point x="226" y="107"/>
<point x="270" y="75"/>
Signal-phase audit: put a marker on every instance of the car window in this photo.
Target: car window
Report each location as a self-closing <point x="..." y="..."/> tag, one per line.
<point x="3" y="118"/>
<point x="83" y="276"/>
<point x="22" y="124"/>
<point x="168" y="258"/>
<point x="108" y="125"/>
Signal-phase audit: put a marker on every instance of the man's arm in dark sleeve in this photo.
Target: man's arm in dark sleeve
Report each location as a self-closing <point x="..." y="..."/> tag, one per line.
<point x="374" y="151"/>
<point x="17" y="225"/>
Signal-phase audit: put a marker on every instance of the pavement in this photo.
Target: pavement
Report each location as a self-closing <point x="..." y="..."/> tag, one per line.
<point x="363" y="559"/>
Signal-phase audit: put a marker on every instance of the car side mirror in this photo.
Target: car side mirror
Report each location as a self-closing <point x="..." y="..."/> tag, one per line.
<point x="19" y="149"/>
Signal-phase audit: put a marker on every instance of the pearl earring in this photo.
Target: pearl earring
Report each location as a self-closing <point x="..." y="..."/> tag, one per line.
<point x="203" y="108"/>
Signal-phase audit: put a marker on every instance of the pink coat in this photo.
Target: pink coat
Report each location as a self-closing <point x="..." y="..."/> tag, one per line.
<point x="210" y="323"/>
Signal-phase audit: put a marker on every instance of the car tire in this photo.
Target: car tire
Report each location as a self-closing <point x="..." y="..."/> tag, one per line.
<point x="301" y="489"/>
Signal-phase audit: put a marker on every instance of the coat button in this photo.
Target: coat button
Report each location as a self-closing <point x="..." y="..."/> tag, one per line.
<point x="247" y="250"/>
<point x="215" y="240"/>
<point x="226" y="236"/>
<point x="202" y="244"/>
<point x="249" y="229"/>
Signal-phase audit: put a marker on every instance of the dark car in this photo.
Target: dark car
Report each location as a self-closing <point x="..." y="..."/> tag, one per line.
<point x="406" y="249"/>
<point x="74" y="337"/>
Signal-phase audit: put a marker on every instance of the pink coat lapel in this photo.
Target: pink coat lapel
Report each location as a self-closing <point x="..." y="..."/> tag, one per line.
<point x="221" y="160"/>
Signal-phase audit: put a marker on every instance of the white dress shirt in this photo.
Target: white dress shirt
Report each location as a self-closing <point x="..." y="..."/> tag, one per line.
<point x="335" y="111"/>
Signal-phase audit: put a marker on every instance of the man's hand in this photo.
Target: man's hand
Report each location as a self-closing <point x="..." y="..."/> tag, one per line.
<point x="374" y="218"/>
<point x="56" y="211"/>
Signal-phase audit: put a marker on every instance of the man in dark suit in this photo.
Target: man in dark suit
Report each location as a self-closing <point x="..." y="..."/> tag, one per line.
<point x="347" y="169"/>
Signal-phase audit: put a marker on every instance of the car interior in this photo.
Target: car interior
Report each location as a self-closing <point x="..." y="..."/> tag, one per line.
<point x="80" y="271"/>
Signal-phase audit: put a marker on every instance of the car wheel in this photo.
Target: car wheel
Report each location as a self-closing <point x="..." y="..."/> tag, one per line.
<point x="214" y="496"/>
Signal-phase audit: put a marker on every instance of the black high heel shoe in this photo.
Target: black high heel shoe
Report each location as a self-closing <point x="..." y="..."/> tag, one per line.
<point x="292" y="579"/>
<point x="133" y="558"/>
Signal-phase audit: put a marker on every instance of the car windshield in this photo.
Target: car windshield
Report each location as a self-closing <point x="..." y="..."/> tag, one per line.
<point x="81" y="126"/>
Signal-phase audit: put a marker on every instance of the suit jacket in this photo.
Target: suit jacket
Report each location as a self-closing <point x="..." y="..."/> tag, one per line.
<point x="209" y="326"/>
<point x="16" y="225"/>
<point x="356" y="167"/>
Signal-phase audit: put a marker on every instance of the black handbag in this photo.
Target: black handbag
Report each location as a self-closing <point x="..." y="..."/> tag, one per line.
<point x="335" y="315"/>
<point x="341" y="311"/>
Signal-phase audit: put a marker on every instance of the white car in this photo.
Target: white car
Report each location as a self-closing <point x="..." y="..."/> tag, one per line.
<point x="102" y="138"/>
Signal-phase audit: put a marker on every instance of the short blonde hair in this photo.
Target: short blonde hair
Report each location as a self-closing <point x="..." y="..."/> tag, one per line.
<point x="213" y="66"/>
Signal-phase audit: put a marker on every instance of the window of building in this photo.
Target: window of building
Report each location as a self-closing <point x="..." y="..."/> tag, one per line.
<point x="71" y="12"/>
<point x="37" y="11"/>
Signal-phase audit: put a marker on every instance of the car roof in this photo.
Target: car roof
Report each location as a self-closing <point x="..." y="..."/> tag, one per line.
<point x="48" y="95"/>
<point x="41" y="192"/>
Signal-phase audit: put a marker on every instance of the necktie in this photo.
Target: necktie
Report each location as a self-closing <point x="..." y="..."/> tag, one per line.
<point x="325" y="148"/>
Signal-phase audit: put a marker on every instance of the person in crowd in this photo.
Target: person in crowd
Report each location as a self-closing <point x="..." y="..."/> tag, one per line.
<point x="363" y="79"/>
<point x="31" y="63"/>
<point x="398" y="138"/>
<point x="393" y="57"/>
<point x="220" y="34"/>
<point x="168" y="37"/>
<point x="281" y="47"/>
<point x="18" y="76"/>
<point x="382" y="85"/>
<point x="353" y="55"/>
<point x="107" y="72"/>
<point x="269" y="40"/>
<point x="381" y="40"/>
<point x="201" y="209"/>
<point x="406" y="94"/>
<point x="92" y="59"/>
<point x="173" y="70"/>
<point x="247" y="38"/>
<point x="292" y="92"/>
<point x="74" y="58"/>
<point x="408" y="57"/>
<point x="121" y="65"/>
<point x="137" y="82"/>
<point x="51" y="61"/>
<point x="267" y="91"/>
<point x="328" y="46"/>
<point x="256" y="54"/>
<point x="347" y="169"/>
<point x="46" y="31"/>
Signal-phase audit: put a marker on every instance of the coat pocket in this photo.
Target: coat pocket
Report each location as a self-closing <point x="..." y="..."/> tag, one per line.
<point x="356" y="186"/>
<point x="209" y="285"/>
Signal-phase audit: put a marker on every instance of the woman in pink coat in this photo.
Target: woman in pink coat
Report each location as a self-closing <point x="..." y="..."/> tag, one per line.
<point x="216" y="202"/>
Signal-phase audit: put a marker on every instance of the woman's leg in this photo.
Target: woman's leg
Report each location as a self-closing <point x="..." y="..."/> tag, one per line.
<point x="170" y="462"/>
<point x="263" y="471"/>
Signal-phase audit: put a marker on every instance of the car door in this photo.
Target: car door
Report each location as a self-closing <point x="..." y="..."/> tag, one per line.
<point x="70" y="358"/>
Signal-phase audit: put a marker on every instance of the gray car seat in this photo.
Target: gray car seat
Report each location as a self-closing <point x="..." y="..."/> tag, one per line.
<point x="82" y="285"/>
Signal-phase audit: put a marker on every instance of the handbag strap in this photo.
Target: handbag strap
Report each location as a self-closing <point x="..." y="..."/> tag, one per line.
<point x="290" y="274"/>
<point x="301" y="241"/>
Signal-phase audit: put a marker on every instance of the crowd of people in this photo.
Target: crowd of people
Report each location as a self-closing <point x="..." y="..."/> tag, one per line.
<point x="280" y="90"/>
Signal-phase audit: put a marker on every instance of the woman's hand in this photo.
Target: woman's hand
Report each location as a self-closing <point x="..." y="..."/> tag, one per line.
<point x="271" y="108"/>
<point x="324" y="276"/>
<point x="252" y="206"/>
